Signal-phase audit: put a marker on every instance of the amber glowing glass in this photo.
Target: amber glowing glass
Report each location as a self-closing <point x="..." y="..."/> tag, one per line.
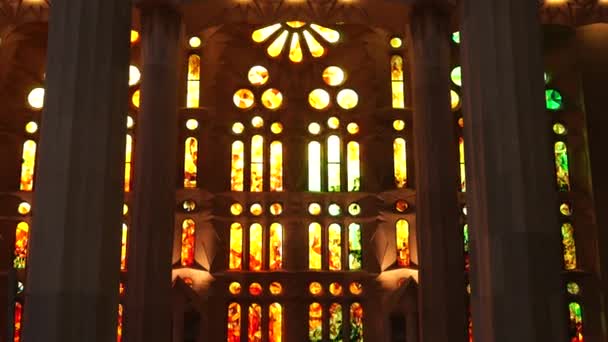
<point x="24" y="208"/>
<point x="190" y="162"/>
<point x="562" y="166"/>
<point x="331" y="36"/>
<point x="264" y="33"/>
<point x="27" y="166"/>
<point x="576" y="322"/>
<point x="128" y="160"/>
<point x="315" y="48"/>
<point x="234" y="288"/>
<point x="355" y="250"/>
<point x="123" y="247"/>
<point x="315" y="322"/>
<point x="347" y="99"/>
<point x="254" y="323"/>
<point x="462" y="165"/>
<point x="400" y="162"/>
<point x="275" y="49"/>
<point x="356" y="322"/>
<point x="36" y="98"/>
<point x="334" y="247"/>
<point x="276" y="247"/>
<point x="234" y="323"/>
<point x="275" y="322"/>
<point x="275" y="288"/>
<point x="257" y="163"/>
<point x="21" y="245"/>
<point x="119" y="323"/>
<point x="17" y="322"/>
<point x="353" y="167"/>
<point x="355" y="288"/>
<point x="194" y="81"/>
<point x="335" y="322"/>
<point x="295" y="49"/>
<point x="569" y="246"/>
<point x="272" y="98"/>
<point x="276" y="166"/>
<point x="402" y="231"/>
<point x="397" y="82"/>
<point x="237" y="174"/>
<point x="258" y="75"/>
<point x="314" y="166"/>
<point x="319" y="99"/>
<point x="236" y="247"/>
<point x="314" y="246"/>
<point x="243" y="98"/>
<point x="335" y="289"/>
<point x="255" y="289"/>
<point x="334" y="76"/>
<point x="255" y="247"/>
<point x="188" y="237"/>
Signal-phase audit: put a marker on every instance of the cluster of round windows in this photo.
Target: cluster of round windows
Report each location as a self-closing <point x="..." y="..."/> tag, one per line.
<point x="256" y="289"/>
<point x="256" y="209"/>
<point x="334" y="209"/>
<point x="271" y="97"/>
<point x="346" y="98"/>
<point x="257" y="122"/>
<point x="335" y="289"/>
<point x="333" y="123"/>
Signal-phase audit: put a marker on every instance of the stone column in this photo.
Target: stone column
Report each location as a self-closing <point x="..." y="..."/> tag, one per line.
<point x="74" y="256"/>
<point x="517" y="293"/>
<point x="440" y="251"/>
<point x="148" y="309"/>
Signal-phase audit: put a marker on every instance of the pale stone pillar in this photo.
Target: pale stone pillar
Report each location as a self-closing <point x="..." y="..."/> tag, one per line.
<point x="148" y="309"/>
<point x="440" y="251"/>
<point x="517" y="293"/>
<point x="74" y="257"/>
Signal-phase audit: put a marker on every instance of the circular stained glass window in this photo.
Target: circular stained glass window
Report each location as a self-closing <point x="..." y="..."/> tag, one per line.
<point x="318" y="99"/>
<point x="130" y="122"/>
<point x="354" y="209"/>
<point x="454" y="100"/>
<point x="192" y="124"/>
<point x="258" y="75"/>
<point x="275" y="288"/>
<point x="257" y="122"/>
<point x="347" y="99"/>
<point x="276" y="128"/>
<point x="189" y="205"/>
<point x="335" y="289"/>
<point x="399" y="125"/>
<point x="234" y="288"/>
<point x="352" y="128"/>
<point x="256" y="209"/>
<point x="573" y="288"/>
<point x="456" y="76"/>
<point x="565" y="209"/>
<point x="134" y="36"/>
<point x="456" y="37"/>
<point x="334" y="76"/>
<point x="560" y="129"/>
<point x="236" y="209"/>
<point x="125" y="209"/>
<point x="554" y="100"/>
<point x="134" y="75"/>
<point x="24" y="208"/>
<point x="36" y="98"/>
<point x="315" y="288"/>
<point x="255" y="289"/>
<point x="272" y="98"/>
<point x="20" y="287"/>
<point x="314" y="128"/>
<point x="194" y="42"/>
<point x="31" y="127"/>
<point x="396" y="42"/>
<point x="401" y="206"/>
<point x="238" y="128"/>
<point x="135" y="98"/>
<point x="355" y="288"/>
<point x="333" y="122"/>
<point x="314" y="209"/>
<point x="276" y="209"/>
<point x="243" y="98"/>
<point x="461" y="122"/>
<point x="334" y="209"/>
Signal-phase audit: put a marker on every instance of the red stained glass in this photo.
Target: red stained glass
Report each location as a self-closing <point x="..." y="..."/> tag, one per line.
<point x="187" y="254"/>
<point x="190" y="162"/>
<point x="18" y="316"/>
<point x="234" y="323"/>
<point x="27" y="166"/>
<point x="119" y="328"/>
<point x="254" y="324"/>
<point x="123" y="248"/>
<point x="21" y="242"/>
<point x="275" y="322"/>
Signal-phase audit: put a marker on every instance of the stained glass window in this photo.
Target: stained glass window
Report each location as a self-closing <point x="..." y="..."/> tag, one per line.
<point x="314" y="166"/>
<point x="254" y="323"/>
<point x="562" y="168"/>
<point x="36" y="98"/>
<point x="21" y="245"/>
<point x="403" y="243"/>
<point x="257" y="163"/>
<point x="18" y="320"/>
<point x="255" y="247"/>
<point x="238" y="166"/>
<point x="347" y="99"/>
<point x="356" y="322"/>
<point x="190" y="162"/>
<point x="353" y="167"/>
<point x="334" y="247"/>
<point x="276" y="166"/>
<point x="258" y="75"/>
<point x="554" y="100"/>
<point x="400" y="162"/>
<point x="569" y="246"/>
<point x="276" y="247"/>
<point x="236" y="246"/>
<point x="234" y="322"/>
<point x="461" y="162"/>
<point x="128" y="160"/>
<point x="333" y="163"/>
<point x="119" y="325"/>
<point x="335" y="322"/>
<point x="314" y="246"/>
<point x="123" y="247"/>
<point x="275" y="322"/>
<point x="354" y="247"/>
<point x="27" y="167"/>
<point x="315" y="322"/>
<point x="188" y="237"/>
<point x="576" y="322"/>
<point x="397" y="81"/>
<point x="291" y="35"/>
<point x="194" y="81"/>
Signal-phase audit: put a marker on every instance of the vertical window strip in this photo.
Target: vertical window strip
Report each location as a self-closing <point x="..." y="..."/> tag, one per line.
<point x="315" y="322"/>
<point x="356" y="322"/>
<point x="334" y="247"/>
<point x="314" y="246"/>
<point x="402" y="232"/>
<point x="257" y="163"/>
<point x="275" y="322"/>
<point x="194" y="81"/>
<point x="255" y="247"/>
<point x="21" y="245"/>
<point x="353" y="166"/>
<point x="335" y="322"/>
<point x="397" y="82"/>
<point x="400" y="162"/>
<point x="190" y="162"/>
<point x="234" y="323"/>
<point x="237" y="174"/>
<point x="355" y="250"/>
<point x="27" y="166"/>
<point x="576" y="322"/>
<point x="569" y="246"/>
<point x="333" y="163"/>
<point x="276" y="166"/>
<point x="562" y="168"/>
<point x="123" y="247"/>
<point x="119" y="325"/>
<point x="314" y="166"/>
<point x="128" y="160"/>
<point x="17" y="324"/>
<point x="188" y="239"/>
<point x="254" y="323"/>
<point x="461" y="162"/>
<point x="276" y="247"/>
<point x="236" y="247"/>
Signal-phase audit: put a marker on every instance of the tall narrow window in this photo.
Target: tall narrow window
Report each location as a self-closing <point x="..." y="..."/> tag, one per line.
<point x="188" y="231"/>
<point x="569" y="246"/>
<point x="334" y="247"/>
<point x="194" y="81"/>
<point x="128" y="160"/>
<point x="17" y="324"/>
<point x="314" y="166"/>
<point x="238" y="166"/>
<point x="354" y="247"/>
<point x="562" y="167"/>
<point x="356" y="322"/>
<point x="314" y="246"/>
<point x="403" y="243"/>
<point x="276" y="247"/>
<point x="400" y="162"/>
<point x="276" y="166"/>
<point x="333" y="163"/>
<point x="119" y="323"/>
<point x="254" y="323"/>
<point x="234" y="322"/>
<point x="190" y="162"/>
<point x="123" y="247"/>
<point x="275" y="322"/>
<point x="236" y="247"/>
<point x="21" y="244"/>
<point x="397" y="81"/>
<point x="461" y="162"/>
<point x="257" y="163"/>
<point x="576" y="322"/>
<point x="353" y="166"/>
<point x="315" y="322"/>
<point x="27" y="166"/>
<point x="335" y="322"/>
<point x="255" y="247"/>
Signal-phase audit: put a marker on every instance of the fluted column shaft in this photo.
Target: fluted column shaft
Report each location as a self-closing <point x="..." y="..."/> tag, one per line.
<point x="517" y="293"/>
<point x="74" y="256"/>
<point x="150" y="246"/>
<point x="440" y="251"/>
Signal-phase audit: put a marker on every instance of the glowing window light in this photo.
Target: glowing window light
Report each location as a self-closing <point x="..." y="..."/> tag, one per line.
<point x="276" y="128"/>
<point x="454" y="100"/>
<point x="264" y="33"/>
<point x="272" y="98"/>
<point x="187" y="252"/>
<point x="352" y="128"/>
<point x="335" y="322"/>
<point x="236" y="247"/>
<point x="276" y="247"/>
<point x="347" y="99"/>
<point x="234" y="322"/>
<point x="255" y="289"/>
<point x="335" y="289"/>
<point x="334" y="76"/>
<point x="333" y="163"/>
<point x="17" y="322"/>
<point x="28" y="165"/>
<point x="276" y="209"/>
<point x="295" y="49"/>
<point x="194" y="81"/>
<point x="396" y="42"/>
<point x="399" y="125"/>
<point x="255" y="247"/>
<point x="36" y="98"/>
<point x="397" y="81"/>
<point x="258" y="75"/>
<point x="314" y="209"/>
<point x="314" y="128"/>
<point x="256" y="209"/>
<point x="576" y="322"/>
<point x="119" y="323"/>
<point x="254" y="326"/>
<point x="400" y="162"/>
<point x="315" y="288"/>
<point x="319" y="99"/>
<point x="573" y="288"/>
<point x="190" y="162"/>
<point x="569" y="246"/>
<point x="135" y="98"/>
<point x="354" y="209"/>
<point x="275" y="322"/>
<point x="257" y="122"/>
<point x="314" y="166"/>
<point x="192" y="124"/>
<point x="188" y="206"/>
<point x="275" y="288"/>
<point x="314" y="246"/>
<point x="316" y="49"/>
<point x="355" y="288"/>
<point x="134" y="75"/>
<point x="134" y="37"/>
<point x="402" y="231"/>
<point x="295" y="24"/>
<point x="276" y="166"/>
<point x="456" y="76"/>
<point x="21" y="245"/>
<point x="462" y="164"/>
<point x="331" y="36"/>
<point x="123" y="247"/>
<point x="243" y="98"/>
<point x="257" y="163"/>
<point x="236" y="209"/>
<point x="31" y="127"/>
<point x="194" y="42"/>
<point x="315" y="322"/>
<point x="234" y="288"/>
<point x="565" y="209"/>
<point x="237" y="174"/>
<point x="24" y="208"/>
<point x="334" y="209"/>
<point x="562" y="166"/>
<point x="275" y="49"/>
<point x="333" y="122"/>
<point x="238" y="128"/>
<point x="355" y="255"/>
<point x="130" y="122"/>
<point x="334" y="247"/>
<point x="128" y="162"/>
<point x="560" y="129"/>
<point x="456" y="37"/>
<point x="353" y="166"/>
<point x="356" y="322"/>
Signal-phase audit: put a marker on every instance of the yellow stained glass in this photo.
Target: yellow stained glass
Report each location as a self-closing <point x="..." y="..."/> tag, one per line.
<point x="272" y="98"/>
<point x="314" y="246"/>
<point x="315" y="322"/>
<point x="276" y="166"/>
<point x="258" y="75"/>
<point x="352" y="128"/>
<point x="21" y="245"/>
<point x="187" y="251"/>
<point x="335" y="289"/>
<point x="275" y="322"/>
<point x="334" y="76"/>
<point x="399" y="125"/>
<point x="455" y="100"/>
<point x="315" y="288"/>
<point x="396" y="42"/>
<point x="24" y="208"/>
<point x="315" y="48"/>
<point x="255" y="247"/>
<point x="295" y="49"/>
<point x="36" y="98"/>
<point x="194" y="78"/>
<point x="353" y="167"/>
<point x="257" y="163"/>
<point x="238" y="128"/>
<point x="319" y="99"/>
<point x="332" y="36"/>
<point x="275" y="288"/>
<point x="314" y="128"/>
<point x="28" y="164"/>
<point x="276" y="128"/>
<point x="236" y="247"/>
<point x="234" y="288"/>
<point x="333" y="122"/>
<point x="333" y="163"/>
<point x="31" y="127"/>
<point x="569" y="246"/>
<point x="254" y="323"/>
<point x="314" y="166"/>
<point x="314" y="209"/>
<point x="347" y="99"/>
<point x="123" y="247"/>
<point x="192" y="124"/>
<point x="256" y="209"/>
<point x="135" y="98"/>
<point x="276" y="247"/>
<point x="234" y="323"/>
<point x="334" y="247"/>
<point x="400" y="162"/>
<point x="264" y="33"/>
<point x="397" y="81"/>
<point x="461" y="162"/>
<point x="128" y="159"/>
<point x="238" y="166"/>
<point x="130" y="122"/>
<point x="236" y="209"/>
<point x="295" y="24"/>
<point x="276" y="209"/>
<point x="243" y="98"/>
<point x="257" y="122"/>
<point x="403" y="242"/>
<point x="275" y="49"/>
<point x="190" y="162"/>
<point x="134" y="36"/>
<point x="194" y="42"/>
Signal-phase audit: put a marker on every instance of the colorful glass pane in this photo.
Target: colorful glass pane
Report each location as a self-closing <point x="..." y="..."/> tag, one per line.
<point x="254" y="323"/>
<point x="36" y="98"/>
<point x="576" y="322"/>
<point x="258" y="75"/>
<point x="236" y="246"/>
<point x="400" y="162"/>
<point x="276" y="166"/>
<point x="353" y="166"/>
<point x="334" y="76"/>
<point x="461" y="162"/>
<point x="275" y="322"/>
<point x="21" y="245"/>
<point x="237" y="174"/>
<point x="128" y="160"/>
<point x="315" y="322"/>
<point x="397" y="81"/>
<point x="123" y="247"/>
<point x="272" y="98"/>
<point x="335" y="289"/>
<point x="187" y="253"/>
<point x="315" y="48"/>
<point x="456" y="76"/>
<point x="257" y="163"/>
<point x="314" y="246"/>
<point x="569" y="246"/>
<point x="194" y="81"/>
<point x="554" y="100"/>
<point x="334" y="247"/>
<point x="335" y="322"/>
<point x="295" y="49"/>
<point x="243" y="98"/>
<point x="319" y="99"/>
<point x="314" y="166"/>
<point x="234" y="288"/>
<point x="234" y="323"/>
<point x="17" y="322"/>
<point x="355" y="257"/>
<point x="119" y="325"/>
<point x="264" y="33"/>
<point x="190" y="162"/>
<point x="275" y="288"/>
<point x="276" y="247"/>
<point x="333" y="161"/>
<point x="562" y="167"/>
<point x="403" y="242"/>
<point x="347" y="99"/>
<point x="27" y="166"/>
<point x="332" y="36"/>
<point x="255" y="289"/>
<point x="356" y="322"/>
<point x="454" y="100"/>
<point x="255" y="247"/>
<point x="277" y="45"/>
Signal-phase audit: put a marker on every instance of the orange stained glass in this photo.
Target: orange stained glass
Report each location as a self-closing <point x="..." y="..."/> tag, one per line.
<point x="276" y="209"/>
<point x="397" y="82"/>
<point x="256" y="209"/>
<point x="462" y="165"/>
<point x="355" y="288"/>
<point x="277" y="45"/>
<point x="234" y="323"/>
<point x="315" y="48"/>
<point x="315" y="322"/>
<point x="134" y="36"/>
<point x="119" y="327"/>
<point x="128" y="162"/>
<point x="257" y="163"/>
<point x="275" y="288"/>
<point x="194" y="81"/>
<point x="264" y="33"/>
<point x="315" y="288"/>
<point x="295" y="49"/>
<point x="243" y="98"/>
<point x="237" y="173"/>
<point x="123" y="247"/>
<point x="569" y="246"/>
<point x="276" y="247"/>
<point x="255" y="247"/>
<point x="234" y="288"/>
<point x="190" y="162"/>
<point x="18" y="322"/>
<point x="188" y="237"/>
<point x="255" y="289"/>
<point x="334" y="247"/>
<point x="236" y="247"/>
<point x="314" y="166"/>
<point x="335" y="322"/>
<point x="272" y="98"/>
<point x="275" y="322"/>
<point x="335" y="289"/>
<point x="254" y="323"/>
<point x="27" y="166"/>
<point x="400" y="162"/>
<point x="295" y="24"/>
<point x="24" y="208"/>
<point x="135" y="98"/>
<point x="276" y="166"/>
<point x="332" y="36"/>
<point x="21" y="245"/>
<point x="356" y="322"/>
<point x="314" y="246"/>
<point x="258" y="75"/>
<point x="402" y="228"/>
<point x="353" y="166"/>
<point x="333" y="163"/>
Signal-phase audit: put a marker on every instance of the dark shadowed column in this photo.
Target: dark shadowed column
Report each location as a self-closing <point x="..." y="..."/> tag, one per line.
<point x="440" y="251"/>
<point x="148" y="309"/>
<point x="74" y="256"/>
<point x="515" y="257"/>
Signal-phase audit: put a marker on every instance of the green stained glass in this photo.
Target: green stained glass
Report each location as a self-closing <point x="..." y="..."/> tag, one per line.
<point x="554" y="100"/>
<point x="562" y="168"/>
<point x="576" y="322"/>
<point x="354" y="247"/>
<point x="335" y="323"/>
<point x="565" y="209"/>
<point x="466" y="238"/>
<point x="559" y="129"/>
<point x="456" y="37"/>
<point x="573" y="288"/>
<point x="354" y="209"/>
<point x="356" y="322"/>
<point x="456" y="76"/>
<point x="569" y="246"/>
